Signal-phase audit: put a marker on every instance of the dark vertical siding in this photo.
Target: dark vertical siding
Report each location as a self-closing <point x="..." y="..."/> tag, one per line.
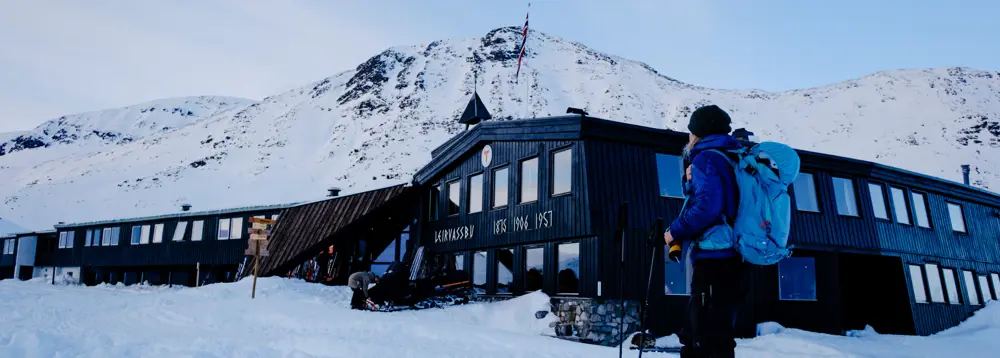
<point x="932" y="317"/>
<point x="827" y="227"/>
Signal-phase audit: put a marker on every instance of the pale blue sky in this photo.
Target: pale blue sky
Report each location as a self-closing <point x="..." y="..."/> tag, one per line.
<point x="62" y="57"/>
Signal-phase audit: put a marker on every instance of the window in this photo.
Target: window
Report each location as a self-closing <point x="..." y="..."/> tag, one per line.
<point x="500" y="182"/>
<point x="670" y="171"/>
<point x="144" y="239"/>
<point x="934" y="283"/>
<point x="223" y="229"/>
<point x="562" y="172"/>
<point x="996" y="285"/>
<point x="568" y="278"/>
<point x="917" y="282"/>
<point x="899" y="206"/>
<point x="843" y="190"/>
<point x="675" y="275"/>
<point x="157" y="233"/>
<point x="197" y="228"/>
<point x="66" y="239"/>
<point x="8" y="247"/>
<point x="236" y="232"/>
<point x="805" y="193"/>
<point x="454" y="197"/>
<point x="136" y="234"/>
<point x="179" y="230"/>
<point x="479" y="272"/>
<point x="459" y="262"/>
<point x="797" y="279"/>
<point x="970" y="287"/>
<point x="505" y="273"/>
<point x="106" y="241"/>
<point x="878" y="201"/>
<point x="475" y="193"/>
<point x="534" y="268"/>
<point x="920" y="209"/>
<point x="529" y="180"/>
<point x="115" y="234"/>
<point x="86" y="240"/>
<point x="949" y="283"/>
<point x="433" y="197"/>
<point x="984" y="287"/>
<point x="957" y="218"/>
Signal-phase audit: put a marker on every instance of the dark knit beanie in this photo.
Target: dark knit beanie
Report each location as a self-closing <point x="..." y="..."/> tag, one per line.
<point x="709" y="120"/>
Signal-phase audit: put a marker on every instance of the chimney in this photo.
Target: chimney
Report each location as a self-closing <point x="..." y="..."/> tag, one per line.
<point x="333" y="191"/>
<point x="965" y="173"/>
<point x="185" y="207"/>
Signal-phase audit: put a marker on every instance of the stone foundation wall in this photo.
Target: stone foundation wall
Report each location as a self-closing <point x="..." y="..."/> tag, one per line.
<point x="594" y="321"/>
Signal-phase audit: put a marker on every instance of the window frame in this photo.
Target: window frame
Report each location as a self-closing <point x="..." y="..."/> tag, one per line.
<point x="932" y="279"/>
<point x="815" y="297"/>
<point x="961" y="212"/>
<point x="116" y="233"/>
<point x="905" y="205"/>
<point x="157" y="233"/>
<point x="814" y="193"/>
<point x="179" y="227"/>
<point x="853" y="195"/>
<point x="553" y="167"/>
<point x="458" y="203"/>
<point x="924" y="296"/>
<point x="952" y="288"/>
<point x="200" y="224"/>
<point x="106" y="236"/>
<point x="926" y="211"/>
<point x="496" y="272"/>
<point x="521" y="181"/>
<point x="969" y="277"/>
<point x="135" y="237"/>
<point x="885" y="201"/>
<point x="680" y="174"/>
<point x="524" y="266"/>
<point x="493" y="186"/>
<point x="434" y="202"/>
<point x="579" y="245"/>
<point x="469" y="194"/>
<point x="984" y="292"/>
<point x="145" y="234"/>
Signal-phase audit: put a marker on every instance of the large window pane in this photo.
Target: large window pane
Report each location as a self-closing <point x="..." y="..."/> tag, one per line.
<point x="144" y="238"/>
<point x="805" y="193"/>
<point x="136" y="234"/>
<point x="920" y="209"/>
<point x="454" y="197"/>
<point x="534" y="268"/>
<point x="115" y="234"/>
<point x="106" y="241"/>
<point x="917" y="283"/>
<point x="996" y="285"/>
<point x="677" y="278"/>
<point x="934" y="283"/>
<point x="970" y="287"/>
<point x="501" y="180"/>
<point x="223" y="229"/>
<point x="847" y="203"/>
<point x="179" y="230"/>
<point x="476" y="193"/>
<point x="196" y="230"/>
<point x="878" y="201"/>
<point x="984" y="287"/>
<point x="158" y="233"/>
<point x="433" y="199"/>
<point x="957" y="218"/>
<point x="562" y="172"/>
<point x="86" y="239"/>
<point x="236" y="232"/>
<point x="669" y="171"/>
<point x="479" y="271"/>
<point x="529" y="180"/>
<point x="951" y="286"/>
<point x="797" y="279"/>
<point x="505" y="270"/>
<point x="568" y="278"/>
<point x="900" y="208"/>
<point x="459" y="262"/>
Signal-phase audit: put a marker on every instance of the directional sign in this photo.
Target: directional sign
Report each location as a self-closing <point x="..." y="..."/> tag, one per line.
<point x="258" y="231"/>
<point x="252" y="249"/>
<point x="263" y="221"/>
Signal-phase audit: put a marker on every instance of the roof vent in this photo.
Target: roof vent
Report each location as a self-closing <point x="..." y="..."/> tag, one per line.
<point x="333" y="191"/>
<point x="965" y="173"/>
<point x="185" y="207"/>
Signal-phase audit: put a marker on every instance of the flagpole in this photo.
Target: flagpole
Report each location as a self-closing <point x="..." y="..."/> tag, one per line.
<point x="527" y="94"/>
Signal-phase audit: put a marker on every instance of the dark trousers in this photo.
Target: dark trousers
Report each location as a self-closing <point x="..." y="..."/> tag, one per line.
<point x="358" y="299"/>
<point x="718" y="288"/>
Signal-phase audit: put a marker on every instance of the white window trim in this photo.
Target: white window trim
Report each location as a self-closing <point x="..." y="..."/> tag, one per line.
<point x="553" y="171"/>
<point x="850" y="194"/>
<point x="917" y="281"/>
<point x="179" y="230"/>
<point x="197" y="230"/>
<point x="961" y="215"/>
<point x="811" y="190"/>
<point x="933" y="273"/>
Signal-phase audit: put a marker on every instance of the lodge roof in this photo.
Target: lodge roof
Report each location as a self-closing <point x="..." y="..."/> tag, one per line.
<point x="578" y="127"/>
<point x="175" y="215"/>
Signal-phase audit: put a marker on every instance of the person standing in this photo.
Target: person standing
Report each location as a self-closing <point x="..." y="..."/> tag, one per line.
<point x="359" y="282"/>
<point x="718" y="278"/>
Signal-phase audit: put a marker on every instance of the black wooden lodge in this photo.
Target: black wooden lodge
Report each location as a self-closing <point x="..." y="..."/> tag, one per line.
<point x="534" y="204"/>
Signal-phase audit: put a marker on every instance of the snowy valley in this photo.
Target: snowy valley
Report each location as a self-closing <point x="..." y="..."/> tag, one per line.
<point x="375" y="125"/>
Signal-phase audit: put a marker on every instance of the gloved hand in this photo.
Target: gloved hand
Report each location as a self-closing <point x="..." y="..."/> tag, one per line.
<point x="675" y="252"/>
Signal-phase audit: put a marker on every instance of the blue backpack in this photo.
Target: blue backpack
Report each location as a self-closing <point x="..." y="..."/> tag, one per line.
<point x="760" y="231"/>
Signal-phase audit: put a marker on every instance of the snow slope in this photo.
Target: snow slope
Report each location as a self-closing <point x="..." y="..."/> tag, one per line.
<point x="7" y="227"/>
<point x="375" y="125"/>
<point x="290" y="318"/>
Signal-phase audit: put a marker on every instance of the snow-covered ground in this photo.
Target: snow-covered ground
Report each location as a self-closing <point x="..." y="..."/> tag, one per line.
<point x="290" y="318"/>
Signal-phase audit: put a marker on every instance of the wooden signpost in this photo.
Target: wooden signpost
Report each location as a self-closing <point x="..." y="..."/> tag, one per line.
<point x="259" y="234"/>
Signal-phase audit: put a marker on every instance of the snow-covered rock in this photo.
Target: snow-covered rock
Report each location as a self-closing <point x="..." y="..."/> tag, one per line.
<point x="375" y="125"/>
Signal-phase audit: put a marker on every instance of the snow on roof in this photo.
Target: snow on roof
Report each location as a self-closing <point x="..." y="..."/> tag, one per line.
<point x="8" y="228"/>
<point x="178" y="215"/>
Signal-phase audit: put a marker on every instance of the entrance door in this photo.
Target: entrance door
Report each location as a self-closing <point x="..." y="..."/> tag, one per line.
<point x="26" y="273"/>
<point x="873" y="292"/>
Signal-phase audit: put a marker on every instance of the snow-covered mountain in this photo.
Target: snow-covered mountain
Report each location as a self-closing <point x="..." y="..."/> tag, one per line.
<point x="376" y="124"/>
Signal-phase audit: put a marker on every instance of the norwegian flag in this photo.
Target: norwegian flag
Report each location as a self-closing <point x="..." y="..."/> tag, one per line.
<point x="524" y="41"/>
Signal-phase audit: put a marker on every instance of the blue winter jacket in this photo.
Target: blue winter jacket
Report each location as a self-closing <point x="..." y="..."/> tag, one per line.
<point x="712" y="193"/>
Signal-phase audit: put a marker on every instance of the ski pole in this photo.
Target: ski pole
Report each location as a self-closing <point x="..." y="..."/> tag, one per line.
<point x="622" y="225"/>
<point x="649" y="283"/>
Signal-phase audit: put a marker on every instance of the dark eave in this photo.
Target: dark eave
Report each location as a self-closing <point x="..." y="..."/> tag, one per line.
<point x="176" y="215"/>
